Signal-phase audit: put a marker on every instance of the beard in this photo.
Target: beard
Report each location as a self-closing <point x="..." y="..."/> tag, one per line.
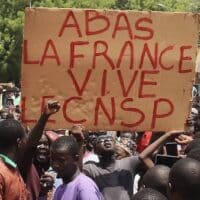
<point x="107" y="153"/>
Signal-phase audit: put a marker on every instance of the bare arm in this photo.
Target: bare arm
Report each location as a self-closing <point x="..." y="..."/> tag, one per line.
<point x="38" y="129"/>
<point x="34" y="137"/>
<point x="145" y="156"/>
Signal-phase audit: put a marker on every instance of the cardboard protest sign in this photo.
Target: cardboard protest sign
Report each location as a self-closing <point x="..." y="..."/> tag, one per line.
<point x="110" y="70"/>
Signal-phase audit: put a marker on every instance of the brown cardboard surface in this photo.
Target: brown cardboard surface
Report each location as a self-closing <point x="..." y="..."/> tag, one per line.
<point x="111" y="70"/>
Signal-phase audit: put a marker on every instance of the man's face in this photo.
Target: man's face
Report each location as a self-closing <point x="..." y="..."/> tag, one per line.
<point x="17" y="116"/>
<point x="4" y="115"/>
<point x="63" y="163"/>
<point x="189" y="125"/>
<point x="105" y="144"/>
<point x="92" y="139"/>
<point x="43" y="152"/>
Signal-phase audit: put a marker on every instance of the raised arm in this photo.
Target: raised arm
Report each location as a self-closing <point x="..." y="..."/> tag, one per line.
<point x="36" y="133"/>
<point x="34" y="137"/>
<point x="145" y="156"/>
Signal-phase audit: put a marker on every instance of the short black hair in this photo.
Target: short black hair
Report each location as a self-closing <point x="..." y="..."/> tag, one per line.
<point x="157" y="178"/>
<point x="184" y="178"/>
<point x="10" y="131"/>
<point x="193" y="144"/>
<point x="194" y="153"/>
<point x="149" y="194"/>
<point x="104" y="136"/>
<point x="66" y="143"/>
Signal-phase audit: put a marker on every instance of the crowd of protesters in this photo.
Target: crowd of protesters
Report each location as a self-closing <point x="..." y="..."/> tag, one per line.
<point x="9" y="101"/>
<point x="78" y="164"/>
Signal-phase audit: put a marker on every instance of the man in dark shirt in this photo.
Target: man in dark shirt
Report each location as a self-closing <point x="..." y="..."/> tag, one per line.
<point x="114" y="177"/>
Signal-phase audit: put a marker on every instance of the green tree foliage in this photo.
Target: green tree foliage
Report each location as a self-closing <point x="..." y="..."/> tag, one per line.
<point x="195" y="6"/>
<point x="12" y="17"/>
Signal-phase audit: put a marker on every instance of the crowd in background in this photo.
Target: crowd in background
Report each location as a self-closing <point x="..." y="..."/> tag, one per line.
<point x="9" y="101"/>
<point x="78" y="164"/>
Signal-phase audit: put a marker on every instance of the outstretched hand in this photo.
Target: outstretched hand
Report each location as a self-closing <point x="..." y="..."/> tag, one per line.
<point x="183" y="139"/>
<point x="52" y="107"/>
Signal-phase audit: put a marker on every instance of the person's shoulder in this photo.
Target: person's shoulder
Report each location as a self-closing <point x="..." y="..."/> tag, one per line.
<point x="129" y="162"/>
<point x="7" y="174"/>
<point x="84" y="181"/>
<point x="87" y="188"/>
<point x="2" y="163"/>
<point x="89" y="167"/>
<point x="90" y="164"/>
<point x="4" y="168"/>
<point x="130" y="159"/>
<point x="82" y="178"/>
